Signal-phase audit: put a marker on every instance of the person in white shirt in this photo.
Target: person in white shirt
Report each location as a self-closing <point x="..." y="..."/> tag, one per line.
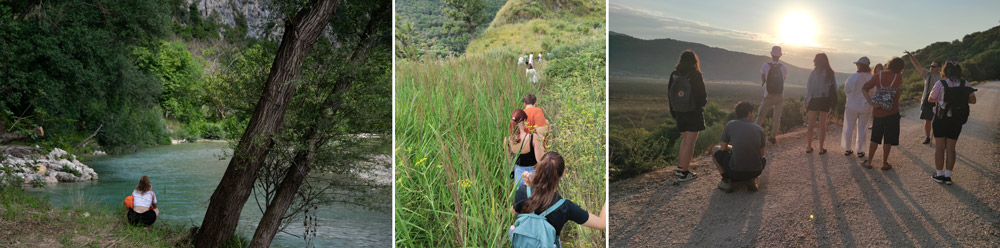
<point x="949" y="117"/>
<point x="773" y="88"/>
<point x="520" y="61"/>
<point x="531" y="58"/>
<point x="532" y="74"/>
<point x="857" y="111"/>
<point x="144" y="211"/>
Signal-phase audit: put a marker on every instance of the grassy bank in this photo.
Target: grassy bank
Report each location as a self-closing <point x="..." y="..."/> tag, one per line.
<point x="31" y="221"/>
<point x="452" y="186"/>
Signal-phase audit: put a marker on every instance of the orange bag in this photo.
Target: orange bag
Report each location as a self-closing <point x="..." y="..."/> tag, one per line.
<point x="128" y="202"/>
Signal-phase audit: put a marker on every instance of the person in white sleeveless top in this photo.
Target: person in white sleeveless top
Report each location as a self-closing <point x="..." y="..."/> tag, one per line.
<point x="144" y="211"/>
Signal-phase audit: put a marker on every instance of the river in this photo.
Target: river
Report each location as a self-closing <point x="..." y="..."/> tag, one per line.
<point x="184" y="177"/>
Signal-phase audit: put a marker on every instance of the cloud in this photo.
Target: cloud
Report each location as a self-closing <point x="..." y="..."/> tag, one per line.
<point x="659" y="21"/>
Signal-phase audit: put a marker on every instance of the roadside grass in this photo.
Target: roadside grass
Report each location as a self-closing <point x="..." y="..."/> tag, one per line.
<point x="30" y="221"/>
<point x="452" y="184"/>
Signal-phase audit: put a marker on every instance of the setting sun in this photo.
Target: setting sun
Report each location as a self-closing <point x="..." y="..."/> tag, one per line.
<point x="797" y="28"/>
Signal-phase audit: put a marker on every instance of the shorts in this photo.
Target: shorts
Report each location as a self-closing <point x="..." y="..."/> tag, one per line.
<point x="144" y="219"/>
<point x="946" y="128"/>
<point x="821" y="104"/>
<point x="724" y="157"/>
<point x="692" y="121"/>
<point x="885" y="130"/>
<point x="927" y="110"/>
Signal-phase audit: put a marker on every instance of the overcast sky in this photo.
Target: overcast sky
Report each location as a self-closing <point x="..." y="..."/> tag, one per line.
<point x="845" y="29"/>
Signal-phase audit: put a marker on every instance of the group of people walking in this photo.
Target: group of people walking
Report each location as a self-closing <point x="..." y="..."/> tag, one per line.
<point x="872" y="94"/>
<point x="535" y="176"/>
<point x="528" y="60"/>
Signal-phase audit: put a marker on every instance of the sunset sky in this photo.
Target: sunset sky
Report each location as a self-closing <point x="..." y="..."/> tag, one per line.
<point x="845" y="30"/>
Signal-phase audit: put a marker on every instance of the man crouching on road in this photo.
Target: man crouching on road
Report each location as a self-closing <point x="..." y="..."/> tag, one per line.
<point x="740" y="156"/>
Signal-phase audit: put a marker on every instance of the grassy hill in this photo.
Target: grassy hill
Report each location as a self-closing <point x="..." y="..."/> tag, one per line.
<point x="452" y="185"/>
<point x="541" y="26"/>
<point x="635" y="57"/>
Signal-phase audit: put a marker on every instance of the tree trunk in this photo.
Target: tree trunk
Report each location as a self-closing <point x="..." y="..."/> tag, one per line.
<point x="226" y="204"/>
<point x="302" y="163"/>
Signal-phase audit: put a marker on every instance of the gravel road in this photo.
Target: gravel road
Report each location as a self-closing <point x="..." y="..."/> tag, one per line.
<point x="850" y="205"/>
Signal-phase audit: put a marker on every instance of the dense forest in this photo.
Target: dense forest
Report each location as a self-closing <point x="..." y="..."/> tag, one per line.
<point x="131" y="74"/>
<point x="431" y="33"/>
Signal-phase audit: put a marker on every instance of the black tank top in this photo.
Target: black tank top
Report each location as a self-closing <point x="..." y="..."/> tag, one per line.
<point x="527" y="159"/>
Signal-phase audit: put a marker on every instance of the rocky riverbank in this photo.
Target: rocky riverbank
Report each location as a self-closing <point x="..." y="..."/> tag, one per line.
<point x="57" y="166"/>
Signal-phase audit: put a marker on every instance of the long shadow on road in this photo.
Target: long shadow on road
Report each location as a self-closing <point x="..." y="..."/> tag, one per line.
<point x="842" y="225"/>
<point x="973" y="202"/>
<point x="645" y="216"/>
<point x="731" y="218"/>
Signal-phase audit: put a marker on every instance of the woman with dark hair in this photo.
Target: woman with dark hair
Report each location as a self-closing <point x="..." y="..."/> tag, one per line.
<point x="542" y="193"/>
<point x="952" y="96"/>
<point x="687" y="99"/>
<point x="821" y="96"/>
<point x="888" y="86"/>
<point x="525" y="148"/>
<point x="877" y="69"/>
<point x="144" y="211"/>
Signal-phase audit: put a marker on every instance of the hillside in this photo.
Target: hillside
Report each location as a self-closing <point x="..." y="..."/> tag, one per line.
<point x="431" y="34"/>
<point x="978" y="53"/>
<point x="541" y="26"/>
<point x="452" y="184"/>
<point x="633" y="57"/>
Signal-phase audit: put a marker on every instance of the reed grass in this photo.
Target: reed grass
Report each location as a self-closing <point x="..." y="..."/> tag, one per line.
<point x="452" y="184"/>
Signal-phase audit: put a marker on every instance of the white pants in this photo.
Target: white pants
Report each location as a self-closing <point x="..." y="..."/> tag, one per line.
<point x="856" y="125"/>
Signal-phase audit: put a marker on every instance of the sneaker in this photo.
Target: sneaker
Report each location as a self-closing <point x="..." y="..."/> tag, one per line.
<point x="678" y="171"/>
<point x="938" y="179"/>
<point x="927" y="140"/>
<point x="772" y="140"/>
<point x="725" y="186"/>
<point x="686" y="175"/>
<point x="752" y="185"/>
<point x="947" y="180"/>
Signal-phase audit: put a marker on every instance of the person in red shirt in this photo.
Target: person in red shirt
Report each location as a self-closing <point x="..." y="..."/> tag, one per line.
<point x="885" y="123"/>
<point x="536" y="122"/>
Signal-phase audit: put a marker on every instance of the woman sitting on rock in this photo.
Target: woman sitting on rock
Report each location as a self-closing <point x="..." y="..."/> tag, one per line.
<point x="144" y="210"/>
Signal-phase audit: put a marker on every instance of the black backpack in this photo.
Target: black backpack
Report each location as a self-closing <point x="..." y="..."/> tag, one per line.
<point x="956" y="102"/>
<point x="775" y="82"/>
<point x="680" y="96"/>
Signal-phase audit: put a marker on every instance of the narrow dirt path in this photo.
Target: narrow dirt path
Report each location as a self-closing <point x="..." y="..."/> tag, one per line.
<point x="851" y="206"/>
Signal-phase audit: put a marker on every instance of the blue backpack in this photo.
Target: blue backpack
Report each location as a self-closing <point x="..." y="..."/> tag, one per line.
<point x="532" y="230"/>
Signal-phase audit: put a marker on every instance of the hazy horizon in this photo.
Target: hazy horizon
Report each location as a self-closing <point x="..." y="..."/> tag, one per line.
<point x="805" y="28"/>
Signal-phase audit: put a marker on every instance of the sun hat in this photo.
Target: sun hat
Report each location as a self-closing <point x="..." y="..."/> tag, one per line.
<point x="863" y="60"/>
<point x="776" y="51"/>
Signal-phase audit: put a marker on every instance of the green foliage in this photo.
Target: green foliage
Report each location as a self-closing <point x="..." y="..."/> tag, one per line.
<point x="188" y="23"/>
<point x="72" y="74"/>
<point x="977" y="53"/>
<point x="180" y="75"/>
<point x="466" y="15"/>
<point x="555" y="23"/>
<point x="635" y="150"/>
<point x="435" y="35"/>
